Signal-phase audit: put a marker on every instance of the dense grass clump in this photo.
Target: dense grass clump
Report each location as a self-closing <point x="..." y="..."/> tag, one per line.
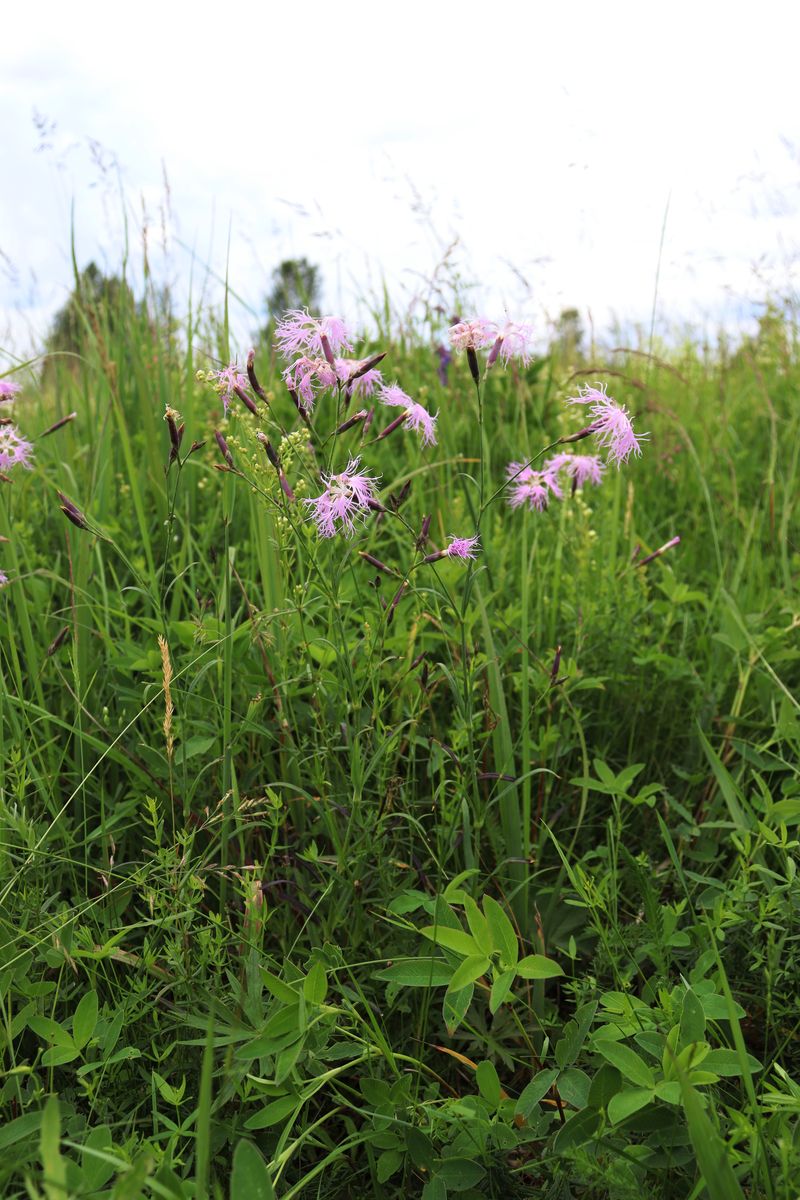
<point x="330" y="871"/>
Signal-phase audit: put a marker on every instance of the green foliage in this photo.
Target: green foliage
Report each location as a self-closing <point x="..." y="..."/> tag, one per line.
<point x="495" y="898"/>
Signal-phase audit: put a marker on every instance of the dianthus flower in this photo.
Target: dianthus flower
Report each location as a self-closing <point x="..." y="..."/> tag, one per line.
<point x="458" y="548"/>
<point x="13" y="448"/>
<point x="8" y="389"/>
<point x="462" y="547"/>
<point x="611" y="424"/>
<point x="3" y="579"/>
<point x="324" y="336"/>
<point x="584" y="468"/>
<point x="416" y="415"/>
<point x="226" y="381"/>
<point x="513" y="340"/>
<point x="347" y="495"/>
<point x="307" y="375"/>
<point x="472" y="335"/>
<point x="365" y="383"/>
<point x="532" y="487"/>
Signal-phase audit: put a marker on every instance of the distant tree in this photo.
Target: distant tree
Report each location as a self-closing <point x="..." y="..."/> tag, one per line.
<point x="295" y="284"/>
<point x="96" y="305"/>
<point x="568" y="340"/>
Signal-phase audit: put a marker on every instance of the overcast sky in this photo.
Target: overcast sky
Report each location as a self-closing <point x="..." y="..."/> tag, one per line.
<point x="547" y="145"/>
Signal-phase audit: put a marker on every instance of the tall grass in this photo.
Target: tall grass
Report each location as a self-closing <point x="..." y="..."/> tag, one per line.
<point x="496" y="897"/>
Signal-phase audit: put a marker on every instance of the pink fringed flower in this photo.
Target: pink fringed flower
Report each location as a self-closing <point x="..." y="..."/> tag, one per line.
<point x="585" y="468"/>
<point x="319" y="337"/>
<point x="307" y="375"/>
<point x="472" y="335"/>
<point x="14" y="449"/>
<point x="581" y="468"/>
<point x="512" y="340"/>
<point x="362" y="386"/>
<point x="346" y="496"/>
<point x="8" y="389"/>
<point x="531" y="487"/>
<point x="462" y="547"/>
<point x="3" y="579"/>
<point x="226" y="381"/>
<point x="417" y="416"/>
<point x="458" y="548"/>
<point x="611" y="424"/>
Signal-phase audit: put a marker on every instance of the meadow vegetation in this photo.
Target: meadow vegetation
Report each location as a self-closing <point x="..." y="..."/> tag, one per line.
<point x="328" y="871"/>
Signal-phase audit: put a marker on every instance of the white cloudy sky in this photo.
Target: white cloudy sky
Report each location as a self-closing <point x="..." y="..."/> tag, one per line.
<point x="550" y="142"/>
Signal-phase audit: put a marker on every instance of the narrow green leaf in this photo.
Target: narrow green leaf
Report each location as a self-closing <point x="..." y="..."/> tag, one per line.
<point x="500" y="989"/>
<point x="53" y="1164"/>
<point x="504" y="938"/>
<point x="417" y="972"/>
<point x="451" y="939"/>
<point x="273" y="1113"/>
<point x="712" y="1156"/>
<point x="455" y="1006"/>
<point x="478" y="926"/>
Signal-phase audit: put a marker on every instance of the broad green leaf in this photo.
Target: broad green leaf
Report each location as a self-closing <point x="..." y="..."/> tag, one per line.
<point x="535" y="1091"/>
<point x="273" y="1113"/>
<point x="250" y="1178"/>
<point x="315" y="984"/>
<point x="471" y="969"/>
<point x="504" y="938"/>
<point x="57" y="1056"/>
<point x="578" y="1131"/>
<point x="19" y="1128"/>
<point x="536" y="966"/>
<point x="669" y="1090"/>
<point x="455" y="1006"/>
<point x="626" y="1103"/>
<point x="573" y="1086"/>
<point x="728" y="1062"/>
<point x="570" y="1044"/>
<point x="451" y="939"/>
<point x="459" y="1173"/>
<point x="435" y="1189"/>
<point x="488" y="1083"/>
<point x="192" y="747"/>
<point x="95" y="1155"/>
<point x="606" y="1083"/>
<point x="693" y="1019"/>
<point x="420" y="1148"/>
<point x="85" y="1019"/>
<point x="627" y="1062"/>
<point x="785" y="812"/>
<point x="51" y="1031"/>
<point x="281" y="991"/>
<point x="500" y="989"/>
<point x="417" y="972"/>
<point x="388" y="1163"/>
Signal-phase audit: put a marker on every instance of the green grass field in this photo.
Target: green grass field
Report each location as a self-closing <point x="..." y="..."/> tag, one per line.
<point x="308" y="891"/>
